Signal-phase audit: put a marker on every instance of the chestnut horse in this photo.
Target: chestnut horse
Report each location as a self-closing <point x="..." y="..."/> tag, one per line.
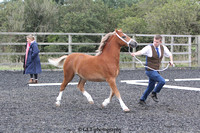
<point x="102" y="67"/>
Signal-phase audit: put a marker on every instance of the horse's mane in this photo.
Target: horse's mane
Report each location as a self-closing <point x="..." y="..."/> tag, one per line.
<point x="103" y="42"/>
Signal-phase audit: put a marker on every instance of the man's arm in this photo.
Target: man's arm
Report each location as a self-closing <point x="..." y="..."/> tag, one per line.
<point x="136" y="53"/>
<point x="171" y="60"/>
<point x="167" y="53"/>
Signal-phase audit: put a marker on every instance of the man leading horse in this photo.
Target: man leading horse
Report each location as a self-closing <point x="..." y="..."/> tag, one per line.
<point x="154" y="54"/>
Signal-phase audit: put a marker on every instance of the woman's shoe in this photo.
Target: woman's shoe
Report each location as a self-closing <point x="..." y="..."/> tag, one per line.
<point x="31" y="81"/>
<point x="35" y="81"/>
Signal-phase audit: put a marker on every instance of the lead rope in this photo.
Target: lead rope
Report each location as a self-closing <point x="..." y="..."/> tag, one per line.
<point x="138" y="59"/>
<point x="147" y="66"/>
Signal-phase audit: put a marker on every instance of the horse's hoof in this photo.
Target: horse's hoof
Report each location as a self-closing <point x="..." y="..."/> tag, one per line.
<point x="126" y="110"/>
<point x="57" y="104"/>
<point x="91" y="102"/>
<point x="102" y="106"/>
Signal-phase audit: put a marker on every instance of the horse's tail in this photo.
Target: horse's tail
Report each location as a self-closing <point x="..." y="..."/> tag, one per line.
<point x="58" y="62"/>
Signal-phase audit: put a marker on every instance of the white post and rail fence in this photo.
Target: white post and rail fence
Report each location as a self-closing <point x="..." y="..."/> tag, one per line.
<point x="185" y="48"/>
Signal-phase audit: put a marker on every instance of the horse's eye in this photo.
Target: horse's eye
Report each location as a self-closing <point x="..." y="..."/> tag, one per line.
<point x="124" y="37"/>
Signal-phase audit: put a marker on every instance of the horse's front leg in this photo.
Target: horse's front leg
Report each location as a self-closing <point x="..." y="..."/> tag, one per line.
<point x="58" y="99"/>
<point x="112" y="84"/>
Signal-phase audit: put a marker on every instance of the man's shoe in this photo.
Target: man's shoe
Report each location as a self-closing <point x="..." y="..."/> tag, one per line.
<point x="142" y="102"/>
<point x="154" y="97"/>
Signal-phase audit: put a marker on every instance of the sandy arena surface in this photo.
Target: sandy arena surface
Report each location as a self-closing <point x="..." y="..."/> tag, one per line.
<point x="27" y="109"/>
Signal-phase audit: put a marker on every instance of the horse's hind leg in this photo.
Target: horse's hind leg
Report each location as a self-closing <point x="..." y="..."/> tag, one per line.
<point x="85" y="93"/>
<point x="68" y="76"/>
<point x="107" y="101"/>
<point x="112" y="84"/>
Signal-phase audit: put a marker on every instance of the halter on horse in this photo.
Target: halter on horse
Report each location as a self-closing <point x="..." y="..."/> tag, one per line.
<point x="102" y="67"/>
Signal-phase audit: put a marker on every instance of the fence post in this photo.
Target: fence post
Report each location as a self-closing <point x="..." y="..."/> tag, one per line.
<point x="35" y="36"/>
<point x="189" y="50"/>
<point x="163" y="43"/>
<point x="69" y="41"/>
<point x="133" y="59"/>
<point x="198" y="51"/>
<point x="172" y="42"/>
<point x="172" y="48"/>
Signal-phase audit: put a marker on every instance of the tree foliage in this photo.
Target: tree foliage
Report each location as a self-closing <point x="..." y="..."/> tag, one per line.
<point x="84" y="16"/>
<point x="40" y="15"/>
<point x="175" y="17"/>
<point x="164" y="17"/>
<point x="29" y="16"/>
<point x="12" y="16"/>
<point x="99" y="16"/>
<point x="134" y="16"/>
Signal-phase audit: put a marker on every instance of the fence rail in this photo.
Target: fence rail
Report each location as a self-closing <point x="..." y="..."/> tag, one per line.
<point x="191" y="47"/>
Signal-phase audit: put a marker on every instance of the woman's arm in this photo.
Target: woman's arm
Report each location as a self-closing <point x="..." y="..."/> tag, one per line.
<point x="35" y="50"/>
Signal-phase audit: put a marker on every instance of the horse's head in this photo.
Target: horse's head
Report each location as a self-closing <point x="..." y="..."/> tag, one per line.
<point x="126" y="39"/>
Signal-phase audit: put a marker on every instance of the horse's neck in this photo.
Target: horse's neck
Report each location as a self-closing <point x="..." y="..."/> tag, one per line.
<point x="112" y="50"/>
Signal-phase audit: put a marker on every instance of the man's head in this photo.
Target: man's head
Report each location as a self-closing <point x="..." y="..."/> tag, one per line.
<point x="157" y="40"/>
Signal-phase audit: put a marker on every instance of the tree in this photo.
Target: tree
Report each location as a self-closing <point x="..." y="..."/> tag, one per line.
<point x="133" y="25"/>
<point x="29" y="16"/>
<point x="163" y="17"/>
<point x="40" y="15"/>
<point x="119" y="3"/>
<point x="13" y="18"/>
<point x="84" y="16"/>
<point x="175" y="17"/>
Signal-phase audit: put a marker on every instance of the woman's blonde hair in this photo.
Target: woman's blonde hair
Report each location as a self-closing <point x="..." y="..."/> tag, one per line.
<point x="31" y="37"/>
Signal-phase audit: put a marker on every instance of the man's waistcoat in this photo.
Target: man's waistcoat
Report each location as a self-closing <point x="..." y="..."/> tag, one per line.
<point x="154" y="61"/>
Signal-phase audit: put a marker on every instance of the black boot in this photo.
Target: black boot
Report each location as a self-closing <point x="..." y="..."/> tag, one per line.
<point x="142" y="102"/>
<point x="154" y="96"/>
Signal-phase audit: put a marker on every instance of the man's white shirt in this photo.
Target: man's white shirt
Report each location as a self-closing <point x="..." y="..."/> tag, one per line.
<point x="148" y="51"/>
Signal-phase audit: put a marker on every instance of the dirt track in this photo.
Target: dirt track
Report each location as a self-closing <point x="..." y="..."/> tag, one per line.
<point x="32" y="109"/>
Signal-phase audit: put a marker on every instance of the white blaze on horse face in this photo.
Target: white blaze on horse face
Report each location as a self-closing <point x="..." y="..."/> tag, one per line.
<point x="88" y="96"/>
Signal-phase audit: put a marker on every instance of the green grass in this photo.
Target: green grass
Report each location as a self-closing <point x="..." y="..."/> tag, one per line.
<point x="20" y="68"/>
<point x="11" y="68"/>
<point x="122" y="66"/>
<point x="124" y="57"/>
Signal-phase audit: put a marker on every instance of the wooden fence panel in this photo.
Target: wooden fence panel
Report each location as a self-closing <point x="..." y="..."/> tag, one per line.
<point x="134" y="63"/>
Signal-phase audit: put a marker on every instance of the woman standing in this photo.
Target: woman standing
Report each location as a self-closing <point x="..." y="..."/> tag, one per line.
<point x="32" y="64"/>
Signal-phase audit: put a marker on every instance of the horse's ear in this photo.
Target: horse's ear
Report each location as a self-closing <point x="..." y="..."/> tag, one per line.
<point x="118" y="30"/>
